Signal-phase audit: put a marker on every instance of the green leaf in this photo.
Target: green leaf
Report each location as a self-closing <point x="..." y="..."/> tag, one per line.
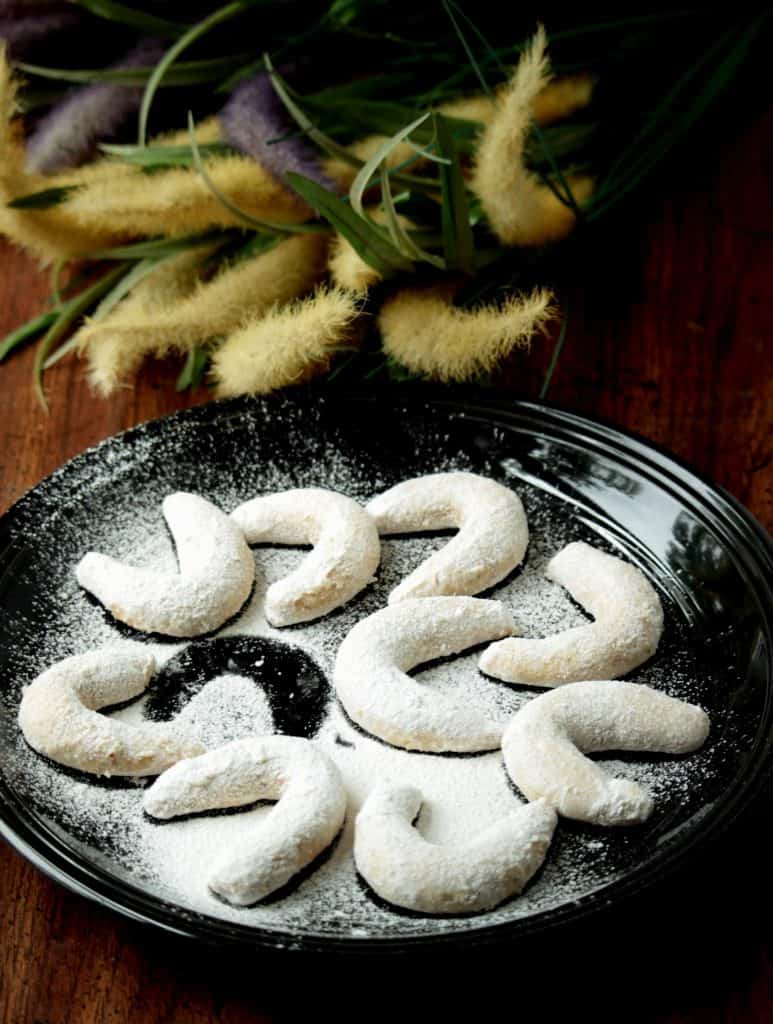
<point x="304" y="121"/>
<point x="455" y="212"/>
<point x="113" y="297"/>
<point x="357" y="90"/>
<point x="245" y="71"/>
<point x="25" y="333"/>
<point x="163" y="156"/>
<point x="124" y="15"/>
<point x="369" y="168"/>
<point x="366" y="239"/>
<point x="385" y="118"/>
<point x="564" y="194"/>
<point x="157" y="247"/>
<point x="451" y="85"/>
<point x="259" y="243"/>
<point x="466" y="47"/>
<point x="343" y="12"/>
<point x="56" y="279"/>
<point x="140" y="270"/>
<point x="193" y="369"/>
<point x="563" y="141"/>
<point x="674" y="116"/>
<point x="43" y="200"/>
<point x="66" y="316"/>
<point x="185" y="73"/>
<point x="400" y="373"/>
<point x="33" y="99"/>
<point x="404" y="242"/>
<point x="190" y="36"/>
<point x="324" y="141"/>
<point x="247" y="219"/>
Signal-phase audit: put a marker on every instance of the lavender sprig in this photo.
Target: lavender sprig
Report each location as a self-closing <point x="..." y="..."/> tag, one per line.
<point x="253" y="117"/>
<point x="22" y="29"/>
<point x="68" y="135"/>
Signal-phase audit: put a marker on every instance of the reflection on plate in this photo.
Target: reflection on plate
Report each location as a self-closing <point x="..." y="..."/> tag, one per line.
<point x="578" y="480"/>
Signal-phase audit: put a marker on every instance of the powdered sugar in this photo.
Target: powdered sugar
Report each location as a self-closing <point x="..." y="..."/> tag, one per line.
<point x="462" y="795"/>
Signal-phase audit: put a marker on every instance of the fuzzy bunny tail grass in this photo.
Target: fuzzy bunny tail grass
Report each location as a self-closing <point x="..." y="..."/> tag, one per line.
<point x="563" y="97"/>
<point x="168" y="317"/>
<point x="520" y="209"/>
<point x="343" y="173"/>
<point x="423" y="331"/>
<point x="177" y="201"/>
<point x="102" y="211"/>
<point x="287" y="345"/>
<point x="45" y="234"/>
<point x="560" y="98"/>
<point x="347" y="268"/>
<point x="113" y="357"/>
<point x="557" y="99"/>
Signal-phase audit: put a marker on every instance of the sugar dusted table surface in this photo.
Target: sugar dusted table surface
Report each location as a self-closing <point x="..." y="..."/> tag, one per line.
<point x="673" y="346"/>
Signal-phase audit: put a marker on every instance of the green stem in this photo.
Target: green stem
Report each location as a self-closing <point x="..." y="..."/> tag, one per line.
<point x="265" y="226"/>
<point x="111" y="10"/>
<point x="556" y="351"/>
<point x="467" y="48"/>
<point x="194" y="33"/>
<point x="639" y="170"/>
<point x="567" y="196"/>
<point x="24" y="333"/>
<point x="66" y="316"/>
<point x="193" y="369"/>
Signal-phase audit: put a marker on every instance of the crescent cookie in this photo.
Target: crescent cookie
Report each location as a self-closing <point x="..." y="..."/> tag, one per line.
<point x="58" y="715"/>
<point x="371" y="681"/>
<point x="491" y="542"/>
<point x="405" y="869"/>
<point x="545" y="743"/>
<point x="346" y="549"/>
<point x="216" y="574"/>
<point x="308" y="816"/>
<point x="626" y="631"/>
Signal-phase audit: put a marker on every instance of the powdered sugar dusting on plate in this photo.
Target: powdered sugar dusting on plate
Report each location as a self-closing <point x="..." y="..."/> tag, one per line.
<point x="118" y="511"/>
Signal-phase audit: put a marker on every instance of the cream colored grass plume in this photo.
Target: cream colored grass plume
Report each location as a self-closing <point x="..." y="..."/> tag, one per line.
<point x="287" y="345"/>
<point x="101" y="212"/>
<point x="422" y="330"/>
<point x="347" y="268"/>
<point x="172" y="310"/>
<point x="563" y="97"/>
<point x="177" y="201"/>
<point x="520" y="208"/>
<point x="113" y="359"/>
<point x="46" y="234"/>
<point x="557" y="99"/>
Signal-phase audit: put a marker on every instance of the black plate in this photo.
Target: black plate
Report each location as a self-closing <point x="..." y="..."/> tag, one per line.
<point x="712" y="563"/>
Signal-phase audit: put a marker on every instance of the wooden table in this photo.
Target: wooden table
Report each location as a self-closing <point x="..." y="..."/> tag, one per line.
<point x="670" y="336"/>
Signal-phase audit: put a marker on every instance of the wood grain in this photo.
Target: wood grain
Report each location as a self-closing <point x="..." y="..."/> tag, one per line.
<point x="669" y="337"/>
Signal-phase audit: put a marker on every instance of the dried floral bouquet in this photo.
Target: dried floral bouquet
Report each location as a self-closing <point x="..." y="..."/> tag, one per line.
<point x="362" y="188"/>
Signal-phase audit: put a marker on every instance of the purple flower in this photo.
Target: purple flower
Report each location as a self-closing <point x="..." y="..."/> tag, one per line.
<point x="253" y="116"/>
<point x="68" y="135"/>
<point x="23" y="32"/>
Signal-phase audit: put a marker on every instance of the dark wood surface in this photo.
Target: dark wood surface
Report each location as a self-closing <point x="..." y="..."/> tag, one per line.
<point x="670" y="338"/>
